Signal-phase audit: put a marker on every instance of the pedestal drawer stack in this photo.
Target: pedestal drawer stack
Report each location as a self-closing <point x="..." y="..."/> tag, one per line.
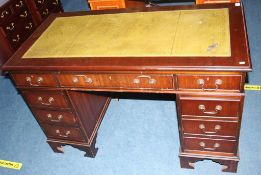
<point x="210" y="121"/>
<point x="61" y="119"/>
<point x="54" y="114"/>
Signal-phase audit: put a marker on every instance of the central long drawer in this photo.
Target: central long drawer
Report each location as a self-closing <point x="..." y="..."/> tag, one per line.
<point x="132" y="81"/>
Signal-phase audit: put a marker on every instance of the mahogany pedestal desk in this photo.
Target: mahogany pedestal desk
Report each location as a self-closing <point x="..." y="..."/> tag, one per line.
<point x="67" y="68"/>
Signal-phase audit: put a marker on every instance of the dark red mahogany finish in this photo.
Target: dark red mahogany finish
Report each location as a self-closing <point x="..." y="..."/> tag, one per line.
<point x="63" y="93"/>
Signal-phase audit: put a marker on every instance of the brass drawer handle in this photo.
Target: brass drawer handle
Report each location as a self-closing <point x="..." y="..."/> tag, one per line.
<point x="203" y="127"/>
<point x="39" y="80"/>
<point x="218" y="82"/>
<point x="11" y="27"/>
<point x="88" y="80"/>
<point x="40" y="2"/>
<point x="202" y="108"/>
<point x="46" y="12"/>
<point x="136" y="81"/>
<point x="17" y="39"/>
<point x="29" y="26"/>
<point x="4" y="13"/>
<point x="201" y="82"/>
<point x="67" y="133"/>
<point x="75" y="80"/>
<point x="24" y="14"/>
<point x="59" y="118"/>
<point x="56" y="2"/>
<point x="50" y="101"/>
<point x="151" y="81"/>
<point x="203" y="146"/>
<point x="20" y="4"/>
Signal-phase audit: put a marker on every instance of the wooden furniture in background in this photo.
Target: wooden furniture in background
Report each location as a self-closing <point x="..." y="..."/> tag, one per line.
<point x="106" y="4"/>
<point x="16" y="25"/>
<point x="69" y="95"/>
<point x="215" y="1"/>
<point x="41" y="9"/>
<point x="18" y="20"/>
<point x="114" y="4"/>
<point x="118" y="4"/>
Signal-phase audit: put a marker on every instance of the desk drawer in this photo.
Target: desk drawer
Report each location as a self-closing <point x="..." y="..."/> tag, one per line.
<point x="210" y="82"/>
<point x="46" y="99"/>
<point x="209" y="145"/>
<point x="210" y="127"/>
<point x="35" y="80"/>
<point x="132" y="81"/>
<point x="210" y="106"/>
<point x="64" y="133"/>
<point x="66" y="118"/>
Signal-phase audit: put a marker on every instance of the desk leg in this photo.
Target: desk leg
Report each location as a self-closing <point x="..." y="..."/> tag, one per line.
<point x="90" y="151"/>
<point x="56" y="147"/>
<point x="188" y="162"/>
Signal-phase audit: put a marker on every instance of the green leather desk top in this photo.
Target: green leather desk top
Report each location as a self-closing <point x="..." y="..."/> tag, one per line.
<point x="203" y="32"/>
